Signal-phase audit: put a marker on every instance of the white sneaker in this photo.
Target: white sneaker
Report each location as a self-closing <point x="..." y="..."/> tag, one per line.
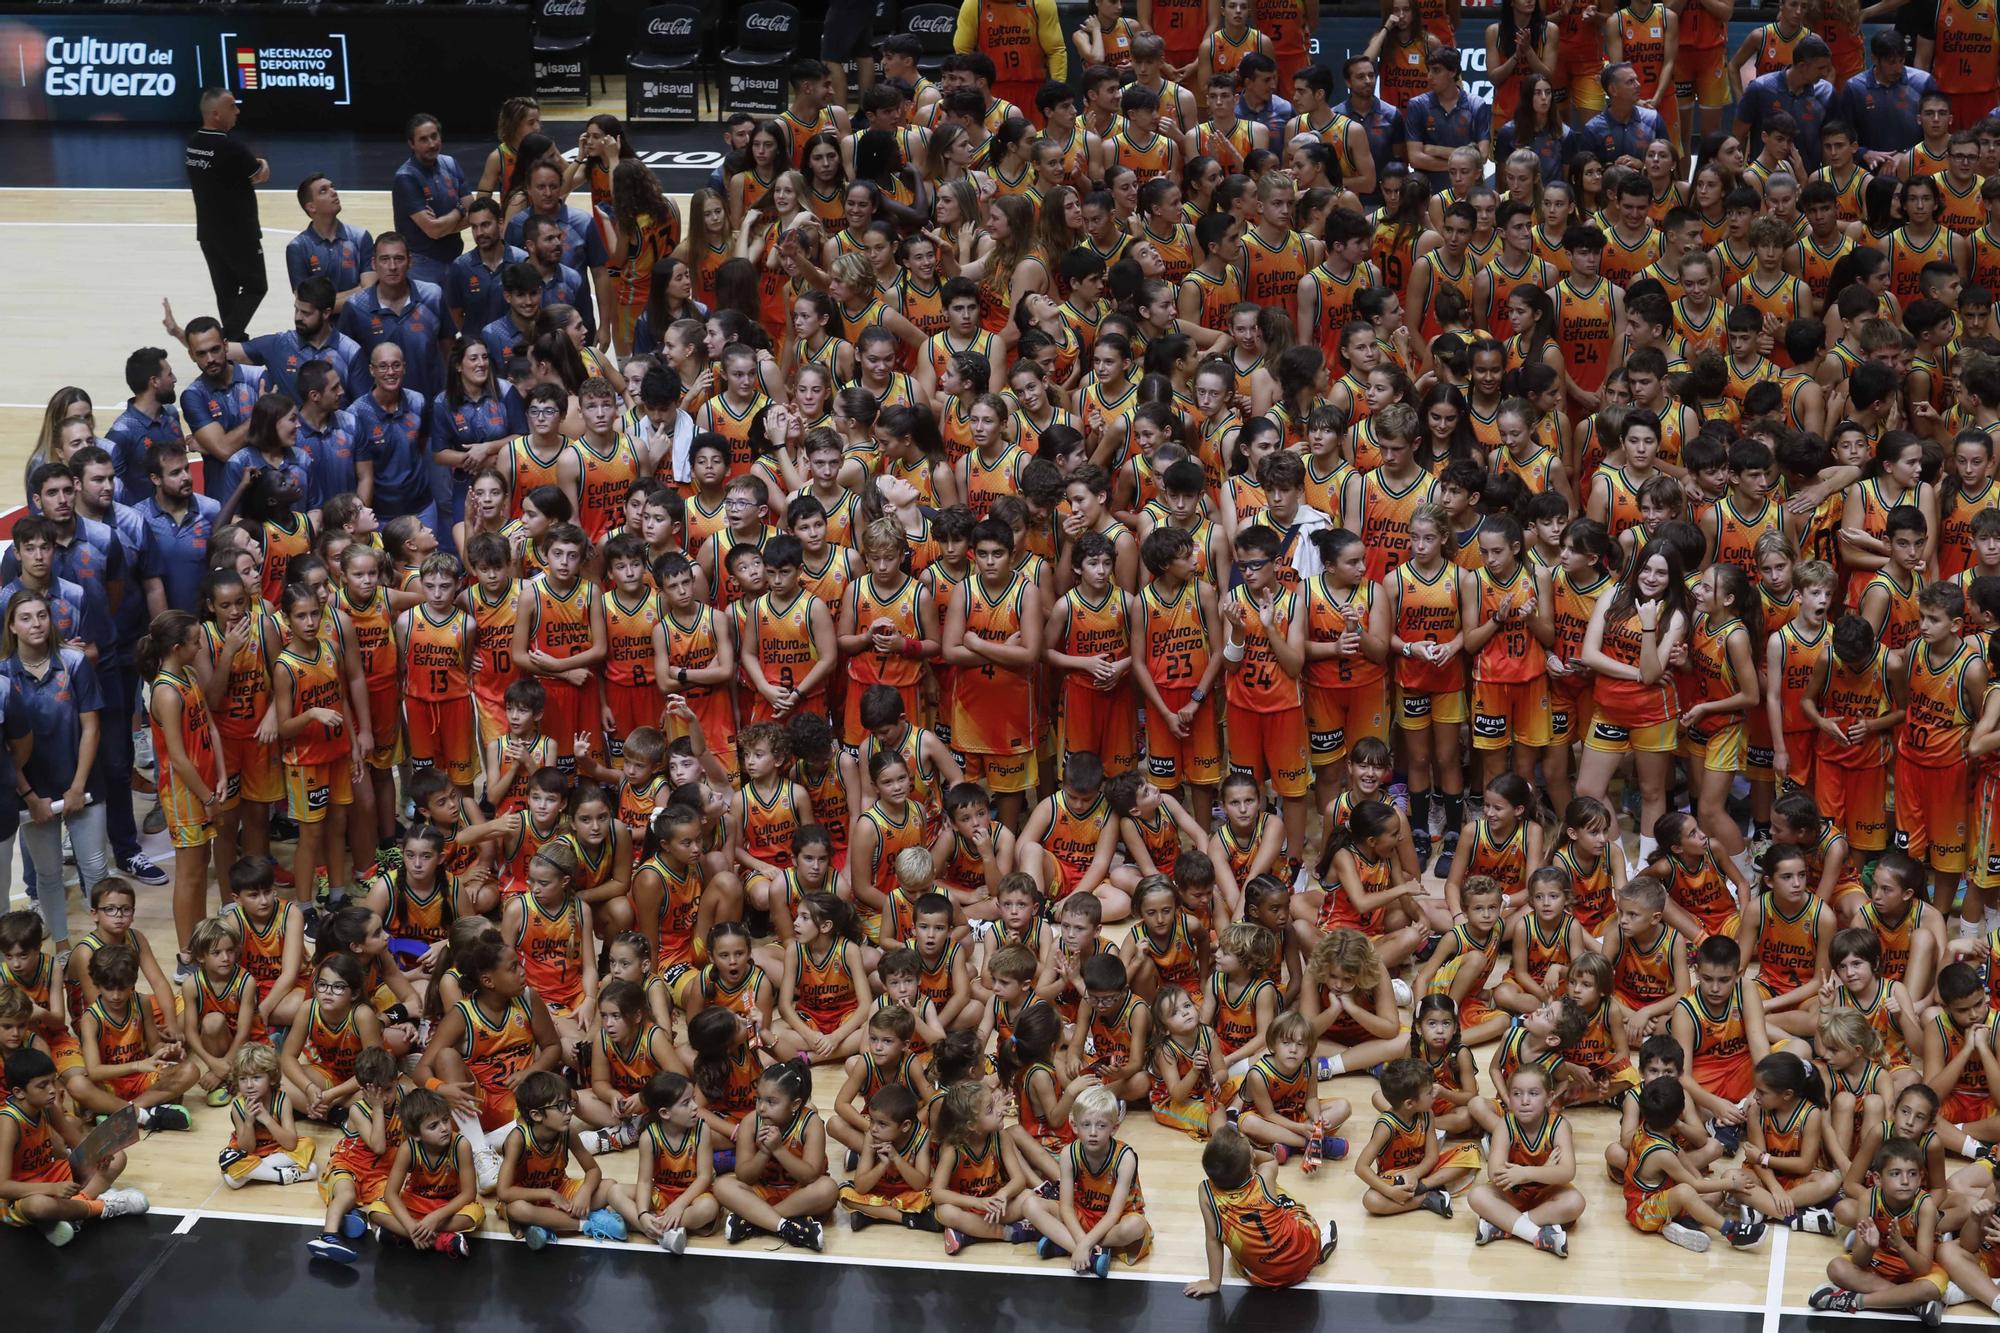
<point x="1955" y="1294"/>
<point x="674" y="1240"/>
<point x="486" y="1163"/>
<point x="1401" y="990"/>
<point x="1961" y="929"/>
<point x="123" y="1203"/>
<point x="1688" y="1238"/>
<point x="1487" y="1233"/>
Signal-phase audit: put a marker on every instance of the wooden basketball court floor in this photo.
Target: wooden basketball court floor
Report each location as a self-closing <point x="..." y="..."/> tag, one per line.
<point x="90" y="267"/>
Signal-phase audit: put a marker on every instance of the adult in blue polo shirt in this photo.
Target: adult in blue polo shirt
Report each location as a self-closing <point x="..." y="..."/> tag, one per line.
<point x="312" y="337"/>
<point x="1446" y="117"/>
<point x="392" y="435"/>
<point x="81" y="617"/>
<point x="469" y="428"/>
<point x="472" y="291"/>
<point x="399" y="309"/>
<point x="55" y="703"/>
<point x="1800" y="90"/>
<point x="428" y="200"/>
<point x="510" y="334"/>
<point x="1623" y="130"/>
<point x="215" y="406"/>
<point x="272" y="447"/>
<point x="149" y="418"/>
<point x="1382" y="123"/>
<point x="1881" y="102"/>
<point x="328" y="247"/>
<point x="179" y="523"/>
<point x="86" y="551"/>
<point x="326" y="432"/>
<point x="583" y="243"/>
<point x="561" y="284"/>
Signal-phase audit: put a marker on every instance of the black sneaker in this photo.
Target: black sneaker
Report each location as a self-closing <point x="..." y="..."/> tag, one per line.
<point x="169" y="1117"/>
<point x="284" y="829"/>
<point x="1729" y="1136"/>
<point x="804" y="1232"/>
<point x="735" y="1230"/>
<point x="1436" y="1201"/>
<point x="1838" y="1299"/>
<point x="1421" y="839"/>
<point x="1449" y="850"/>
<point x="1332" y="1241"/>
<point x="143" y="870"/>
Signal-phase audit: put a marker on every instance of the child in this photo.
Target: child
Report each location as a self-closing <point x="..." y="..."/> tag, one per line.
<point x="1400" y="1165"/>
<point x="1248" y="841"/>
<point x="1719" y="1027"/>
<point x="1959" y="1060"/>
<point x="220" y="1000"/>
<point x="1367" y="893"/>
<point x="629" y="1052"/>
<point x="901" y="974"/>
<point x="126" y="1059"/>
<point x="1089" y="647"/>
<point x="36" y="1186"/>
<point x="1541" y="944"/>
<point x="882" y="832"/>
<point x="892" y="1173"/>
<point x="114" y="907"/>
<point x="1784" y="937"/>
<point x="1703" y="889"/>
<point x="779" y="1185"/>
<point x="1937" y="677"/>
<point x="1030" y="1070"/>
<point x="888" y="626"/>
<point x="673" y="1195"/>
<point x="943" y="979"/>
<point x="1529" y="1192"/>
<point x="263" y="1145"/>
<point x="1264" y="648"/>
<point x="1660" y="1057"/>
<point x="1855" y="982"/>
<point x="971" y="853"/>
<point x="1593" y="860"/>
<point x="1849" y="700"/>
<point x="1891" y="1261"/>
<point x="1068" y="839"/>
<point x="1661" y="1187"/>
<point x="1851" y="1059"/>
<point x="432" y="1196"/>
<point x="823" y="999"/>
<point x="358" y="1172"/>
<point x="1602" y="1056"/>
<point x="270" y="937"/>
<point x="1273" y="1240"/>
<point x="1240" y="999"/>
<point x="436" y="642"/>
<point x="1351" y="1000"/>
<point x="1649" y="972"/>
<point x="1792" y="660"/>
<point x="1185" y="1091"/>
<point x="540" y="1197"/>
<point x="1462" y="964"/>
<point x="886" y="1062"/>
<point x="330" y="1032"/>
<point x="1912" y="1116"/>
<point x="1910" y="931"/>
<point x="726" y="1065"/>
<point x="1111" y="1045"/>
<point x="1281" y="1099"/>
<point x="550" y="928"/>
<point x="559" y="638"/>
<point x="978" y="1185"/>
<point x="514" y="756"/>
<point x="1502" y="844"/>
<point x="1784" y="1153"/>
<point x="1101" y="1209"/>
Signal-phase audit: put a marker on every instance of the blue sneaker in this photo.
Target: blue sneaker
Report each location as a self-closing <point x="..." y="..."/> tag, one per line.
<point x="354" y="1226"/>
<point x="725" y="1161"/>
<point x="1332" y="1147"/>
<point x="1100" y="1263"/>
<point x="329" y="1247"/>
<point x="538" y="1238"/>
<point x="1047" y="1249"/>
<point x="604" y="1225"/>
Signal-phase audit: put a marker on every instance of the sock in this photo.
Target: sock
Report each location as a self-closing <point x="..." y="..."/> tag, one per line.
<point x="96" y="1206"/>
<point x="1420" y="811"/>
<point x="1647" y="848"/>
<point x="1743" y="863"/>
<point x="1525" y="1229"/>
<point x="1971" y="1144"/>
<point x="1241" y="1069"/>
<point x="468" y="1125"/>
<point x="1454" y="812"/>
<point x="1338" y="1064"/>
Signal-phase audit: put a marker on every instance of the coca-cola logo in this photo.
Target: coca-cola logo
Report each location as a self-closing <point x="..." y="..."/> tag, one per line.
<point x="564" y="9"/>
<point x="934" y="24"/>
<point x="778" y="22"/>
<point x="670" y="28"/>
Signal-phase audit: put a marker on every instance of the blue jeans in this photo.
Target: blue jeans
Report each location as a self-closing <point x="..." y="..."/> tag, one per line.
<point x="43" y="845"/>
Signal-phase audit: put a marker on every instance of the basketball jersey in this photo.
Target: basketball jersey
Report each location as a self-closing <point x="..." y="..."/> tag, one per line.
<point x="1939" y="713"/>
<point x="558" y="623"/>
<point x="1787" y="945"/>
<point x="1272" y="272"/>
<point x="1583" y="328"/>
<point x="1259" y="684"/>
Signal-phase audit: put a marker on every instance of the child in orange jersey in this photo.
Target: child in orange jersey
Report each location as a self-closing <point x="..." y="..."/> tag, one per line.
<point x="1404" y="1167"/>
<point x="1241" y="1000"/>
<point x="1602" y="1056"/>
<point x="358" y="1170"/>
<point x="1660" y="1057"/>
<point x="887" y="627"/>
<point x="1366" y="890"/>
<point x="1661" y="1188"/>
<point x="126" y="1059"/>
<point x="823" y="1000"/>
<point x="559" y="639"/>
<point x="892" y="1170"/>
<point x="1649" y="973"/>
<point x="1720" y="1029"/>
<point x="673" y="1196"/>
<point x="1541" y="944"/>
<point x="1248" y="842"/>
<point x="1529" y="1192"/>
<point x="1792" y="655"/>
<point x="1784" y="1153"/>
<point x="1176" y="666"/>
<point x="1891" y="1262"/>
<point x="1959" y="1060"/>
<point x="970" y="856"/>
<point x="885" y="1061"/>
<point x="365" y="609"/>
<point x="36" y="1186"/>
<point x="1462" y="965"/>
<point x="1166" y="947"/>
<point x="1264" y="646"/>
<point x="1088" y="643"/>
<point x="242" y="639"/>
<point x="435" y="643"/>
<point x="550" y="926"/>
<point x="1850" y="1065"/>
<point x="1849" y="700"/>
<point x="1280" y="1098"/>
<point x="1784" y="938"/>
<point x="521" y="749"/>
<point x="628" y="1051"/>
<point x="769" y="809"/>
<point x="1854" y="981"/>
<point x="1593" y="860"/>
<point x="542" y="1200"/>
<point x="993" y="638"/>
<point x="1186" y="1091"/>
<point x="220" y="1001"/>
<point x="1501" y="843"/>
<point x="1941" y="681"/>
<point x="1274" y="1241"/>
<point x="1068" y="839"/>
<point x="1109" y="1039"/>
<point x="1704" y="888"/>
<point x="431" y="1198"/>
<point x="694" y="658"/>
<point x="194" y="780"/>
<point x="978" y="1185"/>
<point x="514" y="838"/>
<point x="264" y="1145"/>
<point x="335" y="1025"/>
<point x="321" y="742"/>
<point x="1101" y="1210"/>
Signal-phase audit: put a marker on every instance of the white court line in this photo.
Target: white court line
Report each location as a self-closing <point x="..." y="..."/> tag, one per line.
<point x="71" y="226"/>
<point x="1807" y="1312"/>
<point x="192" y="1215"/>
<point x="1774" y="1288"/>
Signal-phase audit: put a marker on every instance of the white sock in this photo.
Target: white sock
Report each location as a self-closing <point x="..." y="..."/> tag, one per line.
<point x="1972" y="1145"/>
<point x="496" y="1139"/>
<point x="468" y="1127"/>
<point x="1525" y="1229"/>
<point x="1241" y="1069"/>
<point x="1338" y="1064"/>
<point x="267" y="1170"/>
<point x="1647" y="848"/>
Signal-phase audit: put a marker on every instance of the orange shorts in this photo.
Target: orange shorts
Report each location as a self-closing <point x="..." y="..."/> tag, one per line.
<point x="127" y="1087"/>
<point x="1962" y="1108"/>
<point x="385" y="724"/>
<point x="1570" y="714"/>
<point x="1062" y="876"/>
<point x="1002" y="774"/>
<point x="420" y="1206"/>
<point x="311" y="789"/>
<point x="188" y="823"/>
<point x="253" y="772"/>
<point x="1933" y="815"/>
<point x="1506" y="713"/>
<point x="1703" y="76"/>
<point x="632" y="707"/>
<point x="1100" y="722"/>
<point x="369" y="1184"/>
<point x="851" y="729"/>
<point x="1856" y="800"/>
<point x="1339" y="715"/>
<point x="490" y="714"/>
<point x="570" y="709"/>
<point x="1968" y="109"/>
<point x="1985" y="856"/>
<point x="1800" y="746"/>
<point x="1195" y="758"/>
<point x="1650" y="1213"/>
<point x="440" y="737"/>
<point x="496" y="1107"/>
<point x="1271" y="746"/>
<point x="1419" y="711"/>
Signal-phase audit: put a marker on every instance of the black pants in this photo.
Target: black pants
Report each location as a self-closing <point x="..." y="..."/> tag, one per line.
<point x="236" y="268"/>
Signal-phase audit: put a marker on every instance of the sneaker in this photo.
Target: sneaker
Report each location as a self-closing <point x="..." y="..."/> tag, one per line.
<point x="1931" y="1313"/>
<point x="1280" y="1153"/>
<point x="154" y="822"/>
<point x="184" y="967"/>
<point x="1554" y="1240"/>
<point x="330" y="1247"/>
<point x="1819" y="1221"/>
<point x="1742" y="1234"/>
<point x="1449" y="850"/>
<point x="282" y="877"/>
<point x="1487" y="1233"/>
<point x="291" y="1173"/>
<point x="1100" y="1262"/>
<point x="859" y="1221"/>
<point x="1323" y="1068"/>
<point x="804" y="1232"/>
<point x="954" y="1240"/>
<point x="171" y="1116"/>
<point x="1839" y="1299"/>
<point x="1020" y="1233"/>
<point x="454" y="1244"/>
<point x="1729" y="1136"/>
<point x="486" y="1163"/>
<point x="735" y="1230"/>
<point x="674" y="1240"/>
<point x="853" y="1160"/>
<point x="1429" y="947"/>
<point x="143" y="870"/>
<point x="1436" y="1201"/>
<point x="61" y="1234"/>
<point x="1401" y="990"/>
<point x="1332" y="1241"/>
<point x="1421" y="838"/>
<point x="538" y="1238"/>
<point x="603" y="1224"/>
<point x="1693" y="1239"/>
<point x="1049" y="1190"/>
<point x="354" y="1226"/>
<point x="283" y="829"/>
<point x="220" y="1097"/>
<point x="1333" y="1148"/>
<point x="123" y="1203"/>
<point x="1048" y="1249"/>
<point x="725" y="1161"/>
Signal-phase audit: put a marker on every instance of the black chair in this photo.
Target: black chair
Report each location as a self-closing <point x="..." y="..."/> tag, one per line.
<point x="933" y="26"/>
<point x="663" y="75"/>
<point x="754" y="74"/>
<point x="562" y="37"/>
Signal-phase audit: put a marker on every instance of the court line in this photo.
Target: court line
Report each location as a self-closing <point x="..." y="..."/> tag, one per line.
<point x="72" y="226"/>
<point x="1774" y="1287"/>
<point x="1018" y="1270"/>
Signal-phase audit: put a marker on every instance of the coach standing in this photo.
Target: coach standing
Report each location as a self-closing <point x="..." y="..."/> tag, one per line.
<point x="224" y="174"/>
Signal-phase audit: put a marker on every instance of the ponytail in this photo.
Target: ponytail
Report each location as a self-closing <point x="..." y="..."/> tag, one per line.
<point x="168" y="631"/>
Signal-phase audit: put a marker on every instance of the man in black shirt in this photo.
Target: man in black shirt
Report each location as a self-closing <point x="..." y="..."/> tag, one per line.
<point x="224" y="174"/>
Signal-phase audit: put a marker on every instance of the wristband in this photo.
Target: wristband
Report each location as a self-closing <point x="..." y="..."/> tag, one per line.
<point x="433" y="1084"/>
<point x="911" y="647"/>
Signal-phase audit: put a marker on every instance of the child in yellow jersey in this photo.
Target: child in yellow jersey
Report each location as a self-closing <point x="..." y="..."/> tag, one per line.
<point x="1404" y="1166"/>
<point x="1662" y="1187"/>
<point x="126" y="1059"/>
<point x="542" y="1200"/>
<point x="885" y="1061"/>
<point x="1100" y="1209"/>
<point x="628" y="1051"/>
<point x="432" y="1196"/>
<point x="220" y="1001"/>
<point x="1529" y="1192"/>
<point x="1602" y="1056"/>
<point x="264" y="1145"/>
<point x="37" y="1188"/>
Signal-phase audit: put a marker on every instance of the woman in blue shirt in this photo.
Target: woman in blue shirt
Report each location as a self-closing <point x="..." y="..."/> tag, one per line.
<point x="51" y="723"/>
<point x="1536" y="126"/>
<point x="469" y="428"/>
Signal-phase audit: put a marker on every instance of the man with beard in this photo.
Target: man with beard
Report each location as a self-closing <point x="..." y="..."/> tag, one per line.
<point x="428" y="201"/>
<point x="583" y="243"/>
<point x="312" y="338"/>
<point x="215" y="406"/>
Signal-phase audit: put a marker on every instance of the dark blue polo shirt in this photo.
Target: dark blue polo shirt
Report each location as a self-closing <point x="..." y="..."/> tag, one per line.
<point x="502" y="337"/>
<point x="180" y="547"/>
<point x="226" y="405"/>
<point x="583" y="250"/>
<point x="1769" y="93"/>
<point x="396" y="441"/>
<point x="128" y="440"/>
<point x="1469" y="122"/>
<point x="416" y="329"/>
<point x="244" y="459"/>
<point x="344" y="259"/>
<point x="1884" y="115"/>
<point x="436" y="191"/>
<point x="51" y="709"/>
<point x="281" y="355"/>
<point x="79" y="613"/>
<point x="1611" y="138"/>
<point x="474" y="290"/>
<point x="329" y="454"/>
